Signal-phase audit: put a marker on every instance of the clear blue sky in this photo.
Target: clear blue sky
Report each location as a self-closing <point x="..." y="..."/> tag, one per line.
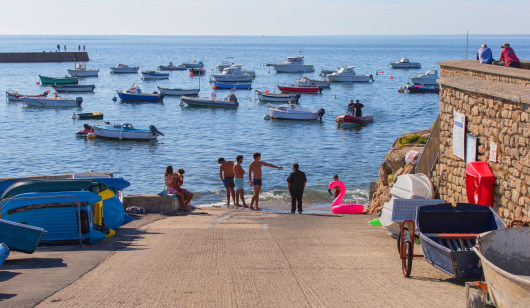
<point x="250" y="17"/>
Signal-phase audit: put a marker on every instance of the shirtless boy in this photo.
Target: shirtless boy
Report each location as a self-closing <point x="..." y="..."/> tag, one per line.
<point x="239" y="171"/>
<point x="226" y="173"/>
<point x="255" y="168"/>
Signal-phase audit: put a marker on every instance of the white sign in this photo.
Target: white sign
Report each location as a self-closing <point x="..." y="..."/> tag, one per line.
<point x="471" y="148"/>
<point x="493" y="151"/>
<point x="459" y="134"/>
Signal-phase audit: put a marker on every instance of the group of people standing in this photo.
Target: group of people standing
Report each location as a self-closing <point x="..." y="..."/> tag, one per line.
<point x="355" y="109"/>
<point x="507" y="57"/>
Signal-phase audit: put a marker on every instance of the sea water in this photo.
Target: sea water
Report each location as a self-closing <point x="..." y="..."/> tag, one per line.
<point x="37" y="141"/>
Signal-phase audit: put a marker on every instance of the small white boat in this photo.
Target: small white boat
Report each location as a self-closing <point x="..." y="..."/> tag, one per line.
<point x="126" y="131"/>
<point x="81" y="71"/>
<point x="124" y="69"/>
<point x="232" y="74"/>
<point x="278" y="97"/>
<point x="56" y="101"/>
<point x="292" y="112"/>
<point x="171" y="67"/>
<point x="193" y="64"/>
<point x="304" y="82"/>
<point x="226" y="63"/>
<point x="74" y="88"/>
<point x="293" y="65"/>
<point x="405" y="63"/>
<point x="177" y="91"/>
<point x="347" y="74"/>
<point x="14" y="96"/>
<point x="228" y="102"/>
<point x="239" y="67"/>
<point x="148" y="75"/>
<point x="429" y="78"/>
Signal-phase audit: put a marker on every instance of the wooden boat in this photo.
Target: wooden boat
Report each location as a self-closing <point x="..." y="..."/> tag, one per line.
<point x="447" y="236"/>
<point x="232" y="85"/>
<point x="313" y="82"/>
<point x="135" y="94"/>
<point x="124" y="69"/>
<point x="56" y="101"/>
<point x="292" y="112"/>
<point x="126" y="131"/>
<point x="277" y="98"/>
<point x="405" y="63"/>
<point x="20" y="237"/>
<point x="171" y="67"/>
<point x="14" y="96"/>
<point x="74" y="88"/>
<point x="177" y="91"/>
<point x="154" y="75"/>
<point x="347" y="119"/>
<point x="90" y="116"/>
<point x="505" y="257"/>
<point x="58" y="80"/>
<point x="228" y="102"/>
<point x="299" y="89"/>
<point x="81" y="71"/>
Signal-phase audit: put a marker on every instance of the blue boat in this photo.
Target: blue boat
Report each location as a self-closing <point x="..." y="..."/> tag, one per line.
<point x="232" y="85"/>
<point x="4" y="253"/>
<point x="448" y="234"/>
<point x="66" y="216"/>
<point x="20" y="237"/>
<point x="135" y="94"/>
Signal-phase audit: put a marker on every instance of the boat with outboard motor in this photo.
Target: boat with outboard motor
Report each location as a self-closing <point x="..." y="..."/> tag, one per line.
<point x="74" y="88"/>
<point x="293" y="65"/>
<point x="149" y="75"/>
<point x="135" y="94"/>
<point x="177" y="91"/>
<point x="277" y="97"/>
<point x="56" y="101"/>
<point x="293" y="112"/>
<point x="228" y="102"/>
<point x="124" y="69"/>
<point x="14" y="96"/>
<point x="429" y="78"/>
<point x="300" y="89"/>
<point x="126" y="131"/>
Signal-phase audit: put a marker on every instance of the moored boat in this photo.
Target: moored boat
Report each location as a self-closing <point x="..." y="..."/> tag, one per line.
<point x="226" y="63"/>
<point x="232" y="74"/>
<point x="292" y="112"/>
<point x="126" y="131"/>
<point x="299" y="89"/>
<point x="293" y="65"/>
<point x="277" y="97"/>
<point x="422" y="88"/>
<point x="58" y="80"/>
<point x="347" y="74"/>
<point x="154" y="75"/>
<point x="56" y="101"/>
<point x="193" y="64"/>
<point x="124" y="69"/>
<point x="350" y="120"/>
<point x="171" y="67"/>
<point x="405" y="63"/>
<point x="313" y="82"/>
<point x="197" y="71"/>
<point x="89" y="116"/>
<point x="87" y="129"/>
<point x="135" y="94"/>
<point x="14" y="96"/>
<point x="81" y="71"/>
<point x="232" y="85"/>
<point x="74" y="88"/>
<point x="228" y="102"/>
<point x="429" y="78"/>
<point x="178" y="91"/>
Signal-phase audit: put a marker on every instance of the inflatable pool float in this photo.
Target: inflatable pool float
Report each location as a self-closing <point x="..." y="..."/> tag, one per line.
<point x="336" y="207"/>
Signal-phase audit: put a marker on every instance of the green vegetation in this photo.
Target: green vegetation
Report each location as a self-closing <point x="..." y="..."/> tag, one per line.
<point x="414" y="138"/>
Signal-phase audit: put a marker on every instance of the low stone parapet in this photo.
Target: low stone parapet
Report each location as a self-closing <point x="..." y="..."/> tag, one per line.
<point x="152" y="203"/>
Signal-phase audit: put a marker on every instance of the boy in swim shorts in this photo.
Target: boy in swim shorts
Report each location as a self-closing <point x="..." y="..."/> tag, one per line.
<point x="239" y="172"/>
<point x="255" y="169"/>
<point x="226" y="173"/>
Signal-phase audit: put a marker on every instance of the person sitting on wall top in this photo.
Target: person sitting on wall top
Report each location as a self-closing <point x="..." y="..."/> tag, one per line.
<point x="508" y="56"/>
<point x="484" y="55"/>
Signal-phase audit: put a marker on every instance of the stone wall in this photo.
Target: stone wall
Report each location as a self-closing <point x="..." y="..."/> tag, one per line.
<point x="496" y="103"/>
<point x="35" y="57"/>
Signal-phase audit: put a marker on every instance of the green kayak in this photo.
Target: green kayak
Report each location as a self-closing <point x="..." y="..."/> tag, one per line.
<point x="58" y="80"/>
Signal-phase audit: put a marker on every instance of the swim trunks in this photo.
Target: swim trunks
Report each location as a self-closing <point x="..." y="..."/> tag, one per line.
<point x="256" y="182"/>
<point x="239" y="183"/>
<point x="229" y="181"/>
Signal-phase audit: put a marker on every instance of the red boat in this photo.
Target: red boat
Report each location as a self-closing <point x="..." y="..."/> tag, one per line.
<point x="86" y="130"/>
<point x="347" y="119"/>
<point x="299" y="89"/>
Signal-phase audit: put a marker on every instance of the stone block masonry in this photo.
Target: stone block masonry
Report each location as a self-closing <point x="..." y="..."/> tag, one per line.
<point x="37" y="57"/>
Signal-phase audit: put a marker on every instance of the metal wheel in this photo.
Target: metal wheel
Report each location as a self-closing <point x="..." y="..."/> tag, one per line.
<point x="399" y="242"/>
<point x="406" y="260"/>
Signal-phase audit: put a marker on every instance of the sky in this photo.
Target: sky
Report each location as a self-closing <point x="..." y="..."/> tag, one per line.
<point x="275" y="17"/>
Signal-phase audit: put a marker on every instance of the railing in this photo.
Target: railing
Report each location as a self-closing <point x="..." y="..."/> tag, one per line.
<point x="430" y="153"/>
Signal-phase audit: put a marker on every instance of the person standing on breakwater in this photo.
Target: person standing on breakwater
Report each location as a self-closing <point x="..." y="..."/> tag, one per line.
<point x="509" y="57"/>
<point x="484" y="55"/>
<point x="296" y="185"/>
<point x="358" y="109"/>
<point x="226" y="173"/>
<point x="58" y="47"/>
<point x="255" y="169"/>
<point x="239" y="172"/>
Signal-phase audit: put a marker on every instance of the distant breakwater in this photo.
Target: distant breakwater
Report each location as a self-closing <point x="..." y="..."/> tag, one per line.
<point x="36" y="57"/>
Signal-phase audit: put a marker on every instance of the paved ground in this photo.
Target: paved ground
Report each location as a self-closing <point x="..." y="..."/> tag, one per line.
<point x="238" y="258"/>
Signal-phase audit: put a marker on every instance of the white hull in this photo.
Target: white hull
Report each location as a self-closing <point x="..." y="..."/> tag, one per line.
<point x="102" y="132"/>
<point x="277" y="98"/>
<point x="178" y="92"/>
<point x="290" y="112"/>
<point x="293" y="68"/>
<point x="50" y="102"/>
<point x="312" y="82"/>
<point x="87" y="73"/>
<point x="346" y="78"/>
<point x="203" y="102"/>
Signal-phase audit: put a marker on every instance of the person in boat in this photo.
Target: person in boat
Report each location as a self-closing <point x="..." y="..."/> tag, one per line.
<point x="508" y="56"/>
<point x="254" y="176"/>
<point x="170" y="188"/>
<point x="233" y="98"/>
<point x="358" y="109"/>
<point x="226" y="173"/>
<point x="296" y="185"/>
<point x="351" y="108"/>
<point x="239" y="187"/>
<point x="179" y="175"/>
<point x="484" y="55"/>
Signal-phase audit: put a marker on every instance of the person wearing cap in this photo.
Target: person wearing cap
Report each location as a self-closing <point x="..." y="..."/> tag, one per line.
<point x="484" y="55"/>
<point x="509" y="57"/>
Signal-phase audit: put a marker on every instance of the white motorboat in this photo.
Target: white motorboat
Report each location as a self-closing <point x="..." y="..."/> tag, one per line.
<point x="278" y="97"/>
<point x="304" y="82"/>
<point x="124" y="69"/>
<point x="405" y="63"/>
<point x="347" y="74"/>
<point x="147" y="75"/>
<point x="126" y="131"/>
<point x="228" y="102"/>
<point x="293" y="65"/>
<point x="239" y="67"/>
<point x="171" y="67"/>
<point x="232" y="74"/>
<point x="292" y="112"/>
<point x="81" y="71"/>
<point x="178" y="91"/>
<point x="56" y="101"/>
<point x="74" y="88"/>
<point x="429" y="78"/>
<point x="193" y="64"/>
<point x="228" y="61"/>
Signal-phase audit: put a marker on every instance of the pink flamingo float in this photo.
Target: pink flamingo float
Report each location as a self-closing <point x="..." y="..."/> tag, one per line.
<point x="336" y="207"/>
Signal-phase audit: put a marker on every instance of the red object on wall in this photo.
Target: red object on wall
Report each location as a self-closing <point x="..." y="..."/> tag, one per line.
<point x="479" y="183"/>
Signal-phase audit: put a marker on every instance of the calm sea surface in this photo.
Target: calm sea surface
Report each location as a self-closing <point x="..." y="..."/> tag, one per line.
<point x="42" y="141"/>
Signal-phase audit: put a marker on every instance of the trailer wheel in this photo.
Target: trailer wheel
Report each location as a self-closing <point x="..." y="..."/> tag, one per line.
<point x="474" y="300"/>
<point x="406" y="260"/>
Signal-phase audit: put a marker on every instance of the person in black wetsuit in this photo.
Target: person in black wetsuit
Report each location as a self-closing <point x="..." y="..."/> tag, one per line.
<point x="358" y="109"/>
<point x="296" y="185"/>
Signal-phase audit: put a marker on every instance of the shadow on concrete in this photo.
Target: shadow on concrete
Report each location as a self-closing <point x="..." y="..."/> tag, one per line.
<point x="29" y="263"/>
<point x="6" y="296"/>
<point x="455" y="281"/>
<point x="6" y="275"/>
